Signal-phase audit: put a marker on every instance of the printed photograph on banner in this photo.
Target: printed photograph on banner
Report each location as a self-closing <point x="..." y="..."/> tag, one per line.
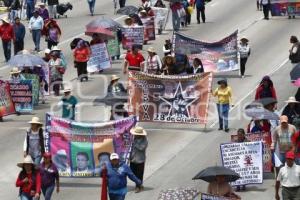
<point x="203" y="196"/>
<point x="82" y="159"/>
<point x="217" y="56"/>
<point x="174" y="99"/>
<point x="285" y="7"/>
<point x="113" y="46"/>
<point x="22" y="95"/>
<point x="6" y="103"/>
<point x="132" y="36"/>
<point x="102" y="151"/>
<point x="35" y="87"/>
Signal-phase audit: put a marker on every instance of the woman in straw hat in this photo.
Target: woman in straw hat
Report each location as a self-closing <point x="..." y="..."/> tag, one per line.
<point x="29" y="180"/>
<point x="292" y="110"/>
<point x="15" y="75"/>
<point x="153" y="63"/>
<point x="34" y="141"/>
<point x="49" y="175"/>
<point x="138" y="153"/>
<point x="244" y="51"/>
<point x="116" y="88"/>
<point x="69" y="103"/>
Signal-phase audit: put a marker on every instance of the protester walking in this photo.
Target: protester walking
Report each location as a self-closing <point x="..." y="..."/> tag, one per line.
<point x="200" y="7"/>
<point x="122" y="3"/>
<point x="266" y="8"/>
<point x="117" y="173"/>
<point x="282" y="136"/>
<point x="34" y="141"/>
<point x="197" y="67"/>
<point x="49" y="176"/>
<point x="153" y="64"/>
<point x="15" y="75"/>
<point x="177" y="12"/>
<point x="244" y="51"/>
<point x="295" y="50"/>
<point x="7" y="36"/>
<point x="57" y="71"/>
<point x="138" y="154"/>
<point x="14" y="9"/>
<point x="224" y="96"/>
<point x="265" y="89"/>
<point x="19" y="31"/>
<point x="52" y="33"/>
<point x="92" y="6"/>
<point x="115" y="88"/>
<point x="36" y="25"/>
<point x="43" y="11"/>
<point x="292" y="111"/>
<point x="29" y="8"/>
<point x="69" y="103"/>
<point x="81" y="55"/>
<point x="29" y="180"/>
<point x="289" y="178"/>
<point x="167" y="47"/>
<point x="52" y="8"/>
<point x="133" y="60"/>
<point x="296" y="147"/>
<point x="220" y="187"/>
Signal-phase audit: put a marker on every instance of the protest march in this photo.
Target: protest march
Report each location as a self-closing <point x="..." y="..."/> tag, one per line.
<point x="150" y="99"/>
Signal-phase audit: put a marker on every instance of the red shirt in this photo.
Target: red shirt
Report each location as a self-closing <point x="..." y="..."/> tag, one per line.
<point x="134" y="60"/>
<point x="296" y="140"/>
<point x="82" y="54"/>
<point x="28" y="187"/>
<point x="6" y="32"/>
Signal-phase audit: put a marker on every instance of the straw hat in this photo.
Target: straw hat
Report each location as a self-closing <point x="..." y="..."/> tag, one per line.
<point x="5" y="19"/>
<point x="47" y="51"/>
<point x="170" y="56"/>
<point x="35" y="120"/>
<point x="27" y="160"/>
<point x="151" y="50"/>
<point x="244" y="39"/>
<point x="292" y="100"/>
<point x="114" y="77"/>
<point x="138" y="131"/>
<point x="143" y="11"/>
<point x="15" y="70"/>
<point x="67" y="90"/>
<point x="55" y="48"/>
<point x="41" y="4"/>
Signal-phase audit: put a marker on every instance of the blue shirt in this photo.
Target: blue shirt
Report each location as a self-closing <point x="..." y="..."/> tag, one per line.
<point x="200" y="3"/>
<point x="36" y="23"/>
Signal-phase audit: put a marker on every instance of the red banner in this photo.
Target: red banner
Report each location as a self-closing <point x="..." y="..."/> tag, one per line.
<point x="6" y="104"/>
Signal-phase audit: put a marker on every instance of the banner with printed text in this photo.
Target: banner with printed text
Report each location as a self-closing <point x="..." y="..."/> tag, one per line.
<point x="80" y="149"/>
<point x="245" y="159"/>
<point x="161" y="16"/>
<point x="100" y="59"/>
<point x="266" y="139"/>
<point x="6" y="104"/>
<point x="203" y="196"/>
<point x="220" y="56"/>
<point x="149" y="28"/>
<point x="285" y="7"/>
<point x="172" y="99"/>
<point x="35" y="87"/>
<point x="22" y="96"/>
<point x="132" y="36"/>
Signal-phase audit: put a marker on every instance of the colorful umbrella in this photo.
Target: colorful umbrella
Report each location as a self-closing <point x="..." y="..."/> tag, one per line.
<point x="261" y="113"/>
<point x="102" y="22"/>
<point x="297" y="82"/>
<point x="127" y="10"/>
<point x="25" y="58"/>
<point x="104" y="33"/>
<point x="209" y="174"/>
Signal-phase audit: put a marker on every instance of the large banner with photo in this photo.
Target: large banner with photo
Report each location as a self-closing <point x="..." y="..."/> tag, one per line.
<point x="266" y="139"/>
<point x="6" y="104"/>
<point x="22" y="95"/>
<point x="80" y="149"/>
<point x="246" y="159"/>
<point x="285" y="7"/>
<point x="204" y="196"/>
<point x="100" y="59"/>
<point x="220" y="56"/>
<point x="132" y="36"/>
<point x="172" y="99"/>
<point x="149" y="28"/>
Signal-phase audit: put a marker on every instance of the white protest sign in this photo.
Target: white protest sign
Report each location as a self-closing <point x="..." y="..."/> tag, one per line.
<point x="99" y="59"/>
<point x="245" y="159"/>
<point x="161" y="16"/>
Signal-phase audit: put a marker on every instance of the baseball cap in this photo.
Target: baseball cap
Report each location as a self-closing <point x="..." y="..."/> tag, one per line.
<point x="290" y="155"/>
<point x="114" y="156"/>
<point x="284" y="119"/>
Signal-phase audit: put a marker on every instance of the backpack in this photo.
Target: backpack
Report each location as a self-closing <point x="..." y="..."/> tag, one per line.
<point x="295" y="57"/>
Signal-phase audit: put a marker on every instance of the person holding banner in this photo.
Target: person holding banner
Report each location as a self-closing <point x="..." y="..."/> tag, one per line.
<point x="289" y="178"/>
<point x="82" y="55"/>
<point x="265" y="89"/>
<point x="34" y="141"/>
<point x="200" y="6"/>
<point x="224" y="95"/>
<point x="169" y="65"/>
<point x="68" y="105"/>
<point x="244" y="51"/>
<point x="56" y="71"/>
<point x="133" y="60"/>
<point x="15" y="75"/>
<point x="220" y="187"/>
<point x="197" y="67"/>
<point x="153" y="63"/>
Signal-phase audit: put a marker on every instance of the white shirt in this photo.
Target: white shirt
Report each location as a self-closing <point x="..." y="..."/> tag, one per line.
<point x="264" y="2"/>
<point x="153" y="64"/>
<point x="36" y="23"/>
<point x="289" y="176"/>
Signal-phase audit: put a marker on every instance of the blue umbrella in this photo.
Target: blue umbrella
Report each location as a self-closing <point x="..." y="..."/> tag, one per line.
<point x="25" y="59"/>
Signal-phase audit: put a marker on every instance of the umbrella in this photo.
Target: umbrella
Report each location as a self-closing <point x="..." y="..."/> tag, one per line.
<point x="209" y="174"/>
<point x="127" y="10"/>
<point x="297" y="82"/>
<point x="104" y="33"/>
<point x="178" y="194"/>
<point x="102" y="22"/>
<point x="295" y="73"/>
<point x="24" y="58"/>
<point x="261" y="113"/>
<point x="267" y="101"/>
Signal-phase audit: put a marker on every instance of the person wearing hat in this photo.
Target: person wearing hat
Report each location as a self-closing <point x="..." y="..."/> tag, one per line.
<point x="68" y="104"/>
<point x="282" y="136"/>
<point x="153" y="64"/>
<point x="57" y="71"/>
<point x="15" y="75"/>
<point x="128" y="21"/>
<point x="81" y="55"/>
<point x="43" y="11"/>
<point x="289" y="178"/>
<point x="224" y="99"/>
<point x="116" y="89"/>
<point x="49" y="175"/>
<point x="265" y="89"/>
<point x="60" y="54"/>
<point x="200" y="7"/>
<point x="7" y="36"/>
<point x="47" y="55"/>
<point x="19" y="31"/>
<point x="244" y="52"/>
<point x="29" y="180"/>
<point x="169" y="65"/>
<point x="61" y="162"/>
<point x="36" y="24"/>
<point x="117" y="173"/>
<point x="133" y="60"/>
<point x="34" y="141"/>
<point x="292" y="110"/>
<point x="138" y="153"/>
<point x="167" y="47"/>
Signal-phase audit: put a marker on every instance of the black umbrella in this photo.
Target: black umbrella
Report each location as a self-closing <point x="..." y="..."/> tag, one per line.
<point x="267" y="101"/>
<point x="295" y="73"/>
<point x="209" y="174"/>
<point x="127" y="10"/>
<point x="74" y="43"/>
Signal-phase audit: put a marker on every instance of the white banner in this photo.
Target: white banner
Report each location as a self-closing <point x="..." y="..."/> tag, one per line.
<point x="161" y="16"/>
<point x="99" y="59"/>
<point x="245" y="159"/>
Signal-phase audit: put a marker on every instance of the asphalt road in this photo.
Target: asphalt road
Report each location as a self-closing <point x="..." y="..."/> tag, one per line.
<point x="175" y="154"/>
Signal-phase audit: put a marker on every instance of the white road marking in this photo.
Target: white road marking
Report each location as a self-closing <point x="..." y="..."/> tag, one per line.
<point x="214" y="4"/>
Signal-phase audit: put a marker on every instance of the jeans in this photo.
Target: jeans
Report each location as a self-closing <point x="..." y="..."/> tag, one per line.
<point x="47" y="191"/>
<point x="91" y="6"/>
<point x="81" y="70"/>
<point x="202" y="12"/>
<point x="25" y="197"/>
<point x="297" y="161"/>
<point x="175" y="20"/>
<point x="223" y="112"/>
<point x="243" y="62"/>
<point x="116" y="197"/>
<point x="266" y="9"/>
<point x="138" y="170"/>
<point x="36" y="37"/>
<point x="29" y="9"/>
<point x="6" y="49"/>
<point x="18" y="46"/>
<point x="122" y="3"/>
<point x="282" y="157"/>
<point x="52" y="11"/>
<point x="12" y="15"/>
